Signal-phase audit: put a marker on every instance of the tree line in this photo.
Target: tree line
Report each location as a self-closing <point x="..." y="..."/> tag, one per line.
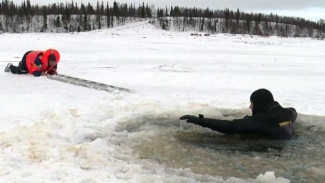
<point x="237" y="22"/>
<point x="72" y="17"/>
<point x="66" y="17"/>
<point x="9" y="8"/>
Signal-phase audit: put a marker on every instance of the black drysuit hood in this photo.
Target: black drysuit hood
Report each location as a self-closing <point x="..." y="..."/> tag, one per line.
<point x="261" y="99"/>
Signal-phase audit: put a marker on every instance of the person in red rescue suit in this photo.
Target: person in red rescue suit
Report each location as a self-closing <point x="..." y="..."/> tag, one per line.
<point x="37" y="63"/>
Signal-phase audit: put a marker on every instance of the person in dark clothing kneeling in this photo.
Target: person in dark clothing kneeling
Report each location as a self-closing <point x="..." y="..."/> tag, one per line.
<point x="269" y="118"/>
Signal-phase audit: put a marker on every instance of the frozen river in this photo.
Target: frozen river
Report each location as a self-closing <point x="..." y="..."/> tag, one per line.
<point x="56" y="132"/>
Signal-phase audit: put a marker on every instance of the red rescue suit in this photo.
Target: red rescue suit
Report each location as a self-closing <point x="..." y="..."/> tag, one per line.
<point x="43" y="56"/>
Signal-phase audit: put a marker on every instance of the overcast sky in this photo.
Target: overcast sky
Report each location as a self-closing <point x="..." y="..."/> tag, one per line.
<point x="309" y="9"/>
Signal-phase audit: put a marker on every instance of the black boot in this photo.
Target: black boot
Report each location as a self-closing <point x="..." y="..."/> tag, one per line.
<point x="8" y="67"/>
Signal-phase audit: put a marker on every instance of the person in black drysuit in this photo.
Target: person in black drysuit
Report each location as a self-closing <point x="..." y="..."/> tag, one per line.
<point x="268" y="119"/>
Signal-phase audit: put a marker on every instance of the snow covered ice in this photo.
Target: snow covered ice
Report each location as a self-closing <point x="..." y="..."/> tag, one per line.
<point x="56" y="132"/>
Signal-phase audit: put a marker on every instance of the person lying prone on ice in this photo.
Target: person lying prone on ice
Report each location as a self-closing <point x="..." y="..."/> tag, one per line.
<point x="37" y="63"/>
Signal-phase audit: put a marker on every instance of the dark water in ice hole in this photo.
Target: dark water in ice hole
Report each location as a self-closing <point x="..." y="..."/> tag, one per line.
<point x="301" y="159"/>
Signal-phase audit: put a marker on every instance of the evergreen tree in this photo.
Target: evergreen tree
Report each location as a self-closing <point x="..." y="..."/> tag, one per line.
<point x="116" y="10"/>
<point x="237" y="17"/>
<point x="28" y="8"/>
<point x="202" y="24"/>
<point x="160" y="13"/>
<point x="57" y="22"/>
<point x="1" y="27"/>
<point x="85" y="26"/>
<point x="227" y="13"/>
<point x="68" y="12"/>
<point x="166" y="12"/>
<point x="99" y="23"/>
<point x="98" y="16"/>
<point x="148" y="11"/>
<point x="143" y="11"/>
<point x="102" y="11"/>
<point x="248" y="24"/>
<point x="108" y="16"/>
<point x="44" y="27"/>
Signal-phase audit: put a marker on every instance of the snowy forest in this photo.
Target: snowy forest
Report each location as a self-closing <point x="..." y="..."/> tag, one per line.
<point x="74" y="17"/>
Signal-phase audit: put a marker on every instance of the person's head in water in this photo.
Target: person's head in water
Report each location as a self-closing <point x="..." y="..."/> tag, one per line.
<point x="260" y="100"/>
<point x="52" y="60"/>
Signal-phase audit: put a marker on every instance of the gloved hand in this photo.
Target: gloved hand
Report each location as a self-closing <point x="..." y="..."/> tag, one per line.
<point x="53" y="72"/>
<point x="193" y="119"/>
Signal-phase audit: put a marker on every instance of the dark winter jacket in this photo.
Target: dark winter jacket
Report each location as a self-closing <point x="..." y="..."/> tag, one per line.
<point x="276" y="122"/>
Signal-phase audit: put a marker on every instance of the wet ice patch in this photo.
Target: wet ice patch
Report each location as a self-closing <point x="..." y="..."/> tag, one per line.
<point x="313" y="122"/>
<point x="173" y="68"/>
<point x="141" y="140"/>
<point x="158" y="138"/>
